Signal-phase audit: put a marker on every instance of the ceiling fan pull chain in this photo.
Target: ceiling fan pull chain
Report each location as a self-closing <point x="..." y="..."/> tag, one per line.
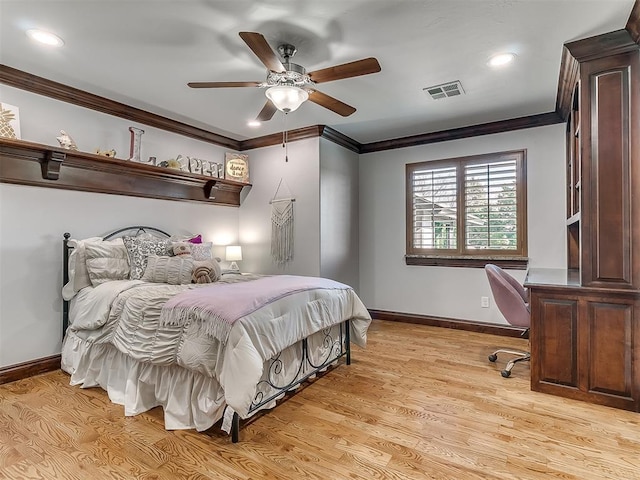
<point x="285" y="136"/>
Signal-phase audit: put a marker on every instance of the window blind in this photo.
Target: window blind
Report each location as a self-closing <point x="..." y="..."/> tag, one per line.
<point x="491" y="209"/>
<point x="435" y="208"/>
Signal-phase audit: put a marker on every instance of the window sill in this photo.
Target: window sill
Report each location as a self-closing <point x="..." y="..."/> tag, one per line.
<point x="513" y="263"/>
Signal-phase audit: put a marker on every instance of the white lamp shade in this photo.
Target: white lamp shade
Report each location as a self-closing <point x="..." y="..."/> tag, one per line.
<point x="233" y="253"/>
<point x="286" y="98"/>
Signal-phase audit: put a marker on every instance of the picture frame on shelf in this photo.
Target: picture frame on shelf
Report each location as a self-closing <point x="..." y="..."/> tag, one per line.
<point x="236" y="167"/>
<point x="9" y="121"/>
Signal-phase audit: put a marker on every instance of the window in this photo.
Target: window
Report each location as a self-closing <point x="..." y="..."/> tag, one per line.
<point x="468" y="211"/>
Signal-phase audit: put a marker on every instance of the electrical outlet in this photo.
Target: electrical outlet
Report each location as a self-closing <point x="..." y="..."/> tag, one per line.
<point x="484" y="302"/>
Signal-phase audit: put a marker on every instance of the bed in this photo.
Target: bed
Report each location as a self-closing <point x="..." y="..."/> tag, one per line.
<point x="136" y="325"/>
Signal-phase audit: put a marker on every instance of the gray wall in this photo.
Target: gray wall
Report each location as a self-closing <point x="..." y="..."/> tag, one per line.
<point x="33" y="219"/>
<point x="387" y="283"/>
<point x="299" y="180"/>
<point x="339" y="241"/>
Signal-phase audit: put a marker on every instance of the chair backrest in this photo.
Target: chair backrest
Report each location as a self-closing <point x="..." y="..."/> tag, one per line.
<point x="509" y="295"/>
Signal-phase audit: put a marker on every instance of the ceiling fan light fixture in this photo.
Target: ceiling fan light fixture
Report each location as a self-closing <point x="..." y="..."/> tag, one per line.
<point x="286" y="98"/>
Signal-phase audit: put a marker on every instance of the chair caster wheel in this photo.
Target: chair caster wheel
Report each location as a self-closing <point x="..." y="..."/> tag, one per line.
<point x="505" y="373"/>
<point x="493" y="357"/>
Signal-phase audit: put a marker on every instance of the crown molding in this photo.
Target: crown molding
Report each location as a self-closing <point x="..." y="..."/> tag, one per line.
<point x="500" y="126"/>
<point x="277" y="138"/>
<point x="612" y="43"/>
<point x="34" y="84"/>
<point x="566" y="82"/>
<point x="340" y="139"/>
<point x="573" y="53"/>
<point x="633" y="24"/>
<point x="321" y="131"/>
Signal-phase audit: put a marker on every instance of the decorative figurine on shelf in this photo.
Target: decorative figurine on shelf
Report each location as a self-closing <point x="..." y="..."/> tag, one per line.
<point x="173" y="163"/>
<point x="106" y="153"/>
<point x="66" y="141"/>
<point x="134" y="151"/>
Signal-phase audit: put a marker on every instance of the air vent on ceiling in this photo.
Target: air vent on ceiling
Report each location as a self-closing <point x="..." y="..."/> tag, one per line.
<point x="450" y="89"/>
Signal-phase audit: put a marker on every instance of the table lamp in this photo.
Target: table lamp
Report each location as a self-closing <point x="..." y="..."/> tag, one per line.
<point x="232" y="254"/>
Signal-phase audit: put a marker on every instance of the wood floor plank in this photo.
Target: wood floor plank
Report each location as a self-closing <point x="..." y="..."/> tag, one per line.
<point x="419" y="403"/>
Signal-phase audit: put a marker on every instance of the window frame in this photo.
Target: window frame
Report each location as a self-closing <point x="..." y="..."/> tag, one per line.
<point x="461" y="256"/>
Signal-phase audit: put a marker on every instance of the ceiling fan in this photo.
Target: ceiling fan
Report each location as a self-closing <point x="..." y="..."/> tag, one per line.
<point x="288" y="84"/>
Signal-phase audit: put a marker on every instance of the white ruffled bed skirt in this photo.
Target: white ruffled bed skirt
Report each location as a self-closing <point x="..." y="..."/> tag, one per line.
<point x="189" y="399"/>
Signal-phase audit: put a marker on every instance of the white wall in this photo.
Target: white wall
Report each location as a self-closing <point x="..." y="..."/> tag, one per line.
<point x="300" y="179"/>
<point x="33" y="219"/>
<point x="387" y="283"/>
<point x="339" y="248"/>
<point x="42" y="118"/>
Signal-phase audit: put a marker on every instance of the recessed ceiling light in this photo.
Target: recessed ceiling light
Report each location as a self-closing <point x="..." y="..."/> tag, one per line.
<point x="45" y="38"/>
<point x="501" y="59"/>
<point x="254" y="123"/>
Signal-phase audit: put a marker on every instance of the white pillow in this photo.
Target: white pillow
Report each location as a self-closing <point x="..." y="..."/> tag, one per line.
<point x="106" y="261"/>
<point x="78" y="273"/>
<point x="172" y="270"/>
<point x="201" y="251"/>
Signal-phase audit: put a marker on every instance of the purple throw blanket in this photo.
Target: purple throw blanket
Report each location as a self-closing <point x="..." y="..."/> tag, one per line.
<point x="217" y="307"/>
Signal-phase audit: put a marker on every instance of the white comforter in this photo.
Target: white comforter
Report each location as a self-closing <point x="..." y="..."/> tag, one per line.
<point x="126" y="315"/>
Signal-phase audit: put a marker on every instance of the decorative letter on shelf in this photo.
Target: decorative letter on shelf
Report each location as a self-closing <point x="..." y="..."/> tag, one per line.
<point x="50" y="165"/>
<point x="134" y="150"/>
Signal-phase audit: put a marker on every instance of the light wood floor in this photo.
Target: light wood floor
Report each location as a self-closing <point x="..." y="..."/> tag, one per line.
<point x="419" y="402"/>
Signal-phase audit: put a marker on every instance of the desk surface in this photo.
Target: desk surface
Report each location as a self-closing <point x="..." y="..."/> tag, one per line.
<point x="560" y="277"/>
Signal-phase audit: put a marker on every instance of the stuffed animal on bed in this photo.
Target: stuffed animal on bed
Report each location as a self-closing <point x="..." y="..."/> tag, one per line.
<point x="206" y="271"/>
<point x="181" y="248"/>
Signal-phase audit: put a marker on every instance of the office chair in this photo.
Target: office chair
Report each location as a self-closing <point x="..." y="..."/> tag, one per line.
<point x="512" y="301"/>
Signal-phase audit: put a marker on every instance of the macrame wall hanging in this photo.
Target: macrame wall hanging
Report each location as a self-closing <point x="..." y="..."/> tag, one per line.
<point x="281" y="228"/>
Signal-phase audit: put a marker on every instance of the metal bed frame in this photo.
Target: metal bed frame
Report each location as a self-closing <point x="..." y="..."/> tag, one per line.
<point x="268" y="389"/>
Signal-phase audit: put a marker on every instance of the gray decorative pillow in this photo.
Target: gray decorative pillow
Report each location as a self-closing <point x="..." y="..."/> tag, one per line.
<point x="171" y="270"/>
<point x="201" y="251"/>
<point x="139" y="248"/>
<point x="106" y="261"/>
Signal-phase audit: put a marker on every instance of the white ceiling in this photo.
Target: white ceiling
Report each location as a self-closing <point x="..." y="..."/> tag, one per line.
<point x="144" y="52"/>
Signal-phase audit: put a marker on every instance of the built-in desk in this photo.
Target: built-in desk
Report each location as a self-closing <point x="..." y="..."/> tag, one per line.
<point x="552" y="277"/>
<point x="585" y="342"/>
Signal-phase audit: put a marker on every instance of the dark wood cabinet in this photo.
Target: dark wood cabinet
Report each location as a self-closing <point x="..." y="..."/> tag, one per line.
<point x="585" y="321"/>
<point x="585" y="342"/>
<point x="609" y="101"/>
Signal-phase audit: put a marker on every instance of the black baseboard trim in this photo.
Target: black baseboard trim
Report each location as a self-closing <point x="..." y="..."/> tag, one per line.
<point x="28" y="369"/>
<point x="479" y="327"/>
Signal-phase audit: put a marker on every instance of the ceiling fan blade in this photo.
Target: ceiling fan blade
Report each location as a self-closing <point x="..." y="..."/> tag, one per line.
<point x="222" y="84"/>
<point x="267" y="112"/>
<point x="258" y="45"/>
<point x="346" y="70"/>
<point x="331" y="103"/>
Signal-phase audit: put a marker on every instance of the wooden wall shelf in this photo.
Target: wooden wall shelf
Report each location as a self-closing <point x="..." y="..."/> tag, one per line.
<point x="26" y="163"/>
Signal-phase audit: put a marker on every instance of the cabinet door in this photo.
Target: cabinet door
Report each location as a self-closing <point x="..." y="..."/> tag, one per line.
<point x="554" y="336"/>
<point x="610" y="122"/>
<point x="609" y="329"/>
